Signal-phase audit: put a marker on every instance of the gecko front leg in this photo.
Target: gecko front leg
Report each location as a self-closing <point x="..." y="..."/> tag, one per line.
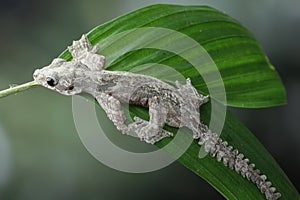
<point x="152" y="131"/>
<point x="114" y="111"/>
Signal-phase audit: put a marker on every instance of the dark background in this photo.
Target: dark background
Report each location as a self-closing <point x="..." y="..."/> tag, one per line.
<point x="41" y="156"/>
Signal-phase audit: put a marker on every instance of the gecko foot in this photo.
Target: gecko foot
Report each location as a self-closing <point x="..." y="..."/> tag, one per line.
<point x="148" y="132"/>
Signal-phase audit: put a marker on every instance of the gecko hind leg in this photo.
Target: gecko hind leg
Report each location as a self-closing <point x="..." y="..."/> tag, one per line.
<point x="190" y="110"/>
<point x="152" y="131"/>
<point x="151" y="138"/>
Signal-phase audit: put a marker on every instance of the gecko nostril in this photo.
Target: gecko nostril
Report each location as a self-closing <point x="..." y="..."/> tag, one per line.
<point x="35" y="74"/>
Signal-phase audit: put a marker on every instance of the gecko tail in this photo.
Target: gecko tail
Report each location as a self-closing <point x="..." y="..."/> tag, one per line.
<point x="214" y="145"/>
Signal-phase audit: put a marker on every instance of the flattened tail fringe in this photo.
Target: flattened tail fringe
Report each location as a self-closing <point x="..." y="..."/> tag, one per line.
<point x="214" y="145"/>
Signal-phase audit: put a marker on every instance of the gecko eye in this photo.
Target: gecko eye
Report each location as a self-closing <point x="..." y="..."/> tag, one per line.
<point x="51" y="81"/>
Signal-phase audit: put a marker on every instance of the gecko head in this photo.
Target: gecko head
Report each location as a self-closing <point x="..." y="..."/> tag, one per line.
<point x="60" y="76"/>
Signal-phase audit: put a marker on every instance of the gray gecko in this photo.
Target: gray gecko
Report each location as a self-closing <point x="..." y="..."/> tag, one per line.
<point x="176" y="106"/>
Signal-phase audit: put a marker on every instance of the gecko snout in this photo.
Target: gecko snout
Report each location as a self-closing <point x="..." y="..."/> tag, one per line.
<point x="38" y="76"/>
<point x="35" y="73"/>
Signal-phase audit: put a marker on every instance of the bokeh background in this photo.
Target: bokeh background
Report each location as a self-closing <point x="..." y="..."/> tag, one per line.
<point x="41" y="156"/>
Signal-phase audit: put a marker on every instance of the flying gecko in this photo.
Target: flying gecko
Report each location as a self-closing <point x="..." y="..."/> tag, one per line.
<point x="175" y="106"/>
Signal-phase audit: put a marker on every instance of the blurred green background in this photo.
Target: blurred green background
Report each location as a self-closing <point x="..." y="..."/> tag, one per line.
<point x="41" y="155"/>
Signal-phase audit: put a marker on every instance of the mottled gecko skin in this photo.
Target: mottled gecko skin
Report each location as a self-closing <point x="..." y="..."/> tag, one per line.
<point x="176" y="106"/>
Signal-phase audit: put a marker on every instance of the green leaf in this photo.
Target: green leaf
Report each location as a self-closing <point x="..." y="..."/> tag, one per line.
<point x="249" y="80"/>
<point x="229" y="183"/>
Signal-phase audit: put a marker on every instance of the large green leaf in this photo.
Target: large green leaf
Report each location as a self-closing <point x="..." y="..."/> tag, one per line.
<point x="249" y="79"/>
<point x="230" y="184"/>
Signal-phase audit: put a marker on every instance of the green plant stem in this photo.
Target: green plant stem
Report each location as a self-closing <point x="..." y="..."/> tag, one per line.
<point x="16" y="89"/>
